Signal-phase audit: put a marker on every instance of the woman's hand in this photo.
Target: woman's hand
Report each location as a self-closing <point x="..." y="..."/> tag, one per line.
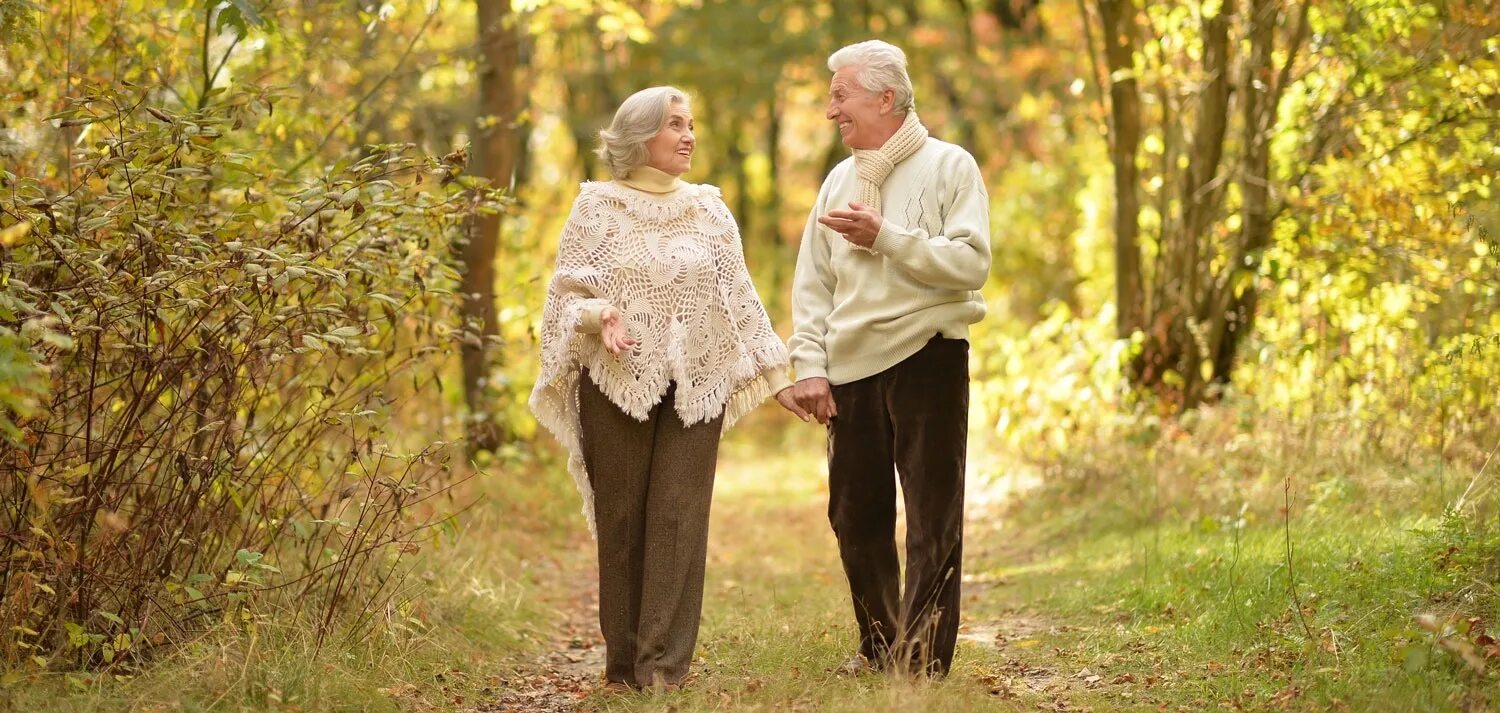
<point x="809" y="398"/>
<point x="612" y="332"/>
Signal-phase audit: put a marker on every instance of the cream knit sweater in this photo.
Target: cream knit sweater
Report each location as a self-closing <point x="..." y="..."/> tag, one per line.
<point x="673" y="265"/>
<point x="857" y="313"/>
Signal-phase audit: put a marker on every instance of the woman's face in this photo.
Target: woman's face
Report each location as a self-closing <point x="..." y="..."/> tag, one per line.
<point x="671" y="150"/>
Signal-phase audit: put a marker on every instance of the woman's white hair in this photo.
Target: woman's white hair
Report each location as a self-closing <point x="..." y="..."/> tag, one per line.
<point x="639" y="119"/>
<point x="879" y="66"/>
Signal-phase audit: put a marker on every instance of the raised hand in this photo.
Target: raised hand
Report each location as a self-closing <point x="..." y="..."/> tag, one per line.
<point x="612" y="332"/>
<point x="858" y="225"/>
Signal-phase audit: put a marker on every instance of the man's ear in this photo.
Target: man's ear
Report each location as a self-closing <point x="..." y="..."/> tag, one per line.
<point x="887" y="101"/>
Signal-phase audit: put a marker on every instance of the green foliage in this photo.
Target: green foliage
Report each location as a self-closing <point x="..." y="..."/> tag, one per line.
<point x="23" y="379"/>
<point x="18" y="22"/>
<point x="1043" y="393"/>
<point x="225" y="350"/>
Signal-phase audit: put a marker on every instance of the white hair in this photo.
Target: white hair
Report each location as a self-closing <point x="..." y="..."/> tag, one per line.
<point x="879" y="66"/>
<point x="639" y="119"/>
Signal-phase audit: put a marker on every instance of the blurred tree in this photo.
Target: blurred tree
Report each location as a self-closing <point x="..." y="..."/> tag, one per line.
<point x="494" y="154"/>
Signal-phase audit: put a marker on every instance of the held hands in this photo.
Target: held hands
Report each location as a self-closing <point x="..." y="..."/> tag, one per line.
<point x="612" y="332"/>
<point x="858" y="225"/>
<point x="809" y="398"/>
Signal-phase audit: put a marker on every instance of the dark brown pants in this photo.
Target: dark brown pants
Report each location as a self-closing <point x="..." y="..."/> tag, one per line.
<point x="652" y="481"/>
<point x="910" y="419"/>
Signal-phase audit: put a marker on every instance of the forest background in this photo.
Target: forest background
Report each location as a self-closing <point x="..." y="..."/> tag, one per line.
<point x="270" y="274"/>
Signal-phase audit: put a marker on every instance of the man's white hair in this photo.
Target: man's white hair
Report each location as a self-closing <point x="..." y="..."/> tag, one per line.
<point x="639" y="119"/>
<point x="879" y="66"/>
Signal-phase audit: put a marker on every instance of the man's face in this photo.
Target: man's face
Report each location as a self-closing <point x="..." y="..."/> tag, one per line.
<point x="855" y="110"/>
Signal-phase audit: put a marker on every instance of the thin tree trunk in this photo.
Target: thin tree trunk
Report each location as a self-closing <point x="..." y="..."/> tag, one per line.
<point x="1119" y="33"/>
<point x="1202" y="194"/>
<point x="525" y="80"/>
<point x="1238" y="294"/>
<point x="777" y="255"/>
<point x="1203" y="188"/>
<point x="494" y="156"/>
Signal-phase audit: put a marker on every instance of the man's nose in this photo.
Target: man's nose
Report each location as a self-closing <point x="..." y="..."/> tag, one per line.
<point x="831" y="113"/>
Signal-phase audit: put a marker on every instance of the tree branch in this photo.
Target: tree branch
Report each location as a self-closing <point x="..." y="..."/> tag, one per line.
<point x="431" y="15"/>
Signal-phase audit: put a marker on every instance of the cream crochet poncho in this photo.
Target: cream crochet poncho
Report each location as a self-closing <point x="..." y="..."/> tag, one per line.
<point x="674" y="267"/>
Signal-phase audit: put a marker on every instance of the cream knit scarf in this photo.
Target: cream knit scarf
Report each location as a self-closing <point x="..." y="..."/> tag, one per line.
<point x="871" y="166"/>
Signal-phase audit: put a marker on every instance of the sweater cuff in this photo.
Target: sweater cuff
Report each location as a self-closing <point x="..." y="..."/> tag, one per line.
<point x="590" y="319"/>
<point x="891" y="238"/>
<point x="779" y="381"/>
<point x="811" y="371"/>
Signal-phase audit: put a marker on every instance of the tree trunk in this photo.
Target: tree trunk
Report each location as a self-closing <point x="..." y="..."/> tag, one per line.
<point x="1018" y="15"/>
<point x="1180" y="344"/>
<point x="1119" y="33"/>
<point x="777" y="255"/>
<point x="494" y="155"/>
<point x="1232" y="314"/>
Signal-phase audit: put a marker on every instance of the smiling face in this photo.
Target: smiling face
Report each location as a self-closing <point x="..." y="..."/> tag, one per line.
<point x="671" y="150"/>
<point x="865" y="119"/>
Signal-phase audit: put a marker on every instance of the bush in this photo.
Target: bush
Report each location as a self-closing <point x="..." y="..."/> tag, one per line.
<point x="199" y="366"/>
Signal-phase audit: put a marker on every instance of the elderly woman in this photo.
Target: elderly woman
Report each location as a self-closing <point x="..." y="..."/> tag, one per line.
<point x="653" y="341"/>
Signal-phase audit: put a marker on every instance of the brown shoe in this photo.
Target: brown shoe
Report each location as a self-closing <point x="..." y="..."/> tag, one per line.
<point x="659" y="682"/>
<point x="615" y="688"/>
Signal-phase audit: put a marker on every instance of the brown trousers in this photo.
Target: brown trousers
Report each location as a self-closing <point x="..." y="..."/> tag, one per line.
<point x="652" y="481"/>
<point x="910" y="419"/>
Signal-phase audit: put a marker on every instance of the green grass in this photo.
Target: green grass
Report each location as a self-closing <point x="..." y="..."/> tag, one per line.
<point x="1136" y="577"/>
<point x="1172" y="575"/>
<point x="1127" y="576"/>
<point x="777" y="619"/>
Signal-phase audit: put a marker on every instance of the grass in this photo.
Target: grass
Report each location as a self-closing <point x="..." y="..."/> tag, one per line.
<point x="1126" y="575"/>
<point x="1173" y="575"/>
<point x="1130" y="576"/>
<point x="776" y="622"/>
<point x="470" y="603"/>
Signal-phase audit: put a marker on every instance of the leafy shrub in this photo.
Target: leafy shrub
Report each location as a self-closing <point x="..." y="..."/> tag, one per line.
<point x="199" y="366"/>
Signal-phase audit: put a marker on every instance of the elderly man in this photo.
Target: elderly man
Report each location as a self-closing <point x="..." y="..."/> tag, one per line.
<point x="886" y="286"/>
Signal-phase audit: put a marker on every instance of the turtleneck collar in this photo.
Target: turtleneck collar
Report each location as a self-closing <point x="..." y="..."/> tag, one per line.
<point x="651" y="180"/>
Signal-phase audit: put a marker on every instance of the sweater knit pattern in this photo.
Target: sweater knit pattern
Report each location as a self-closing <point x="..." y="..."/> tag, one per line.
<point x="674" y="267"/>
<point x="858" y="312"/>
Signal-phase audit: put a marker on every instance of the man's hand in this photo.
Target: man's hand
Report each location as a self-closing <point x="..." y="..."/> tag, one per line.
<point x="809" y="398"/>
<point x="612" y="332"/>
<point x="858" y="225"/>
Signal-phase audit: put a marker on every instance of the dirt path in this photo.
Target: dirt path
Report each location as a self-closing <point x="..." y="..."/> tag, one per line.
<point x="570" y="667"/>
<point x="776" y="625"/>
